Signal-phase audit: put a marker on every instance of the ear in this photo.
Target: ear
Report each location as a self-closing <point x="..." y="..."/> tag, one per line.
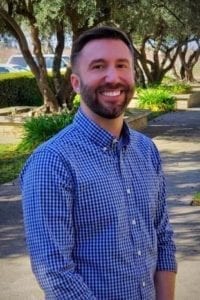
<point x="75" y="82"/>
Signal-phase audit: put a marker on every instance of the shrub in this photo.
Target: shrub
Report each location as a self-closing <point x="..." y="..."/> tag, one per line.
<point x="178" y="88"/>
<point x="19" y="88"/>
<point x="196" y="199"/>
<point x="156" y="99"/>
<point x="40" y="129"/>
<point x="76" y="104"/>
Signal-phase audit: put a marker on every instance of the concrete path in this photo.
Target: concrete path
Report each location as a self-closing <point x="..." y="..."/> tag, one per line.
<point x="177" y="135"/>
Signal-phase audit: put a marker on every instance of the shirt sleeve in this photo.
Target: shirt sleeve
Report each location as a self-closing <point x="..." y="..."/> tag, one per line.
<point x="47" y="194"/>
<point x="165" y="242"/>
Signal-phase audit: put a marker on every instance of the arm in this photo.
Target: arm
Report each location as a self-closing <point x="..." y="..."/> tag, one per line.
<point x="165" y="285"/>
<point x="47" y="192"/>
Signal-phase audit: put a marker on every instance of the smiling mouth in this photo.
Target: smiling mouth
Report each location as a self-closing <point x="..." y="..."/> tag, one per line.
<point x="111" y="93"/>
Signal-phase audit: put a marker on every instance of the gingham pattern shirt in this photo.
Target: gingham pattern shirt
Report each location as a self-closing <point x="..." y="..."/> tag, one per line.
<point x="95" y="214"/>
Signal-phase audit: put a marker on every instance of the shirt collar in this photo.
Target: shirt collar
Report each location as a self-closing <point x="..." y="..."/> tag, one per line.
<point x="99" y="135"/>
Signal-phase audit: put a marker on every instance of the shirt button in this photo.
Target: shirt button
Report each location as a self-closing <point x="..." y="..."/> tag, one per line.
<point x="128" y="191"/>
<point x="139" y="253"/>
<point x="143" y="283"/>
<point x="133" y="222"/>
<point x="104" y="149"/>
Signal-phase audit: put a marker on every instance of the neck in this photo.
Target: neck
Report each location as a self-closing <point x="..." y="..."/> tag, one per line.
<point x="113" y="126"/>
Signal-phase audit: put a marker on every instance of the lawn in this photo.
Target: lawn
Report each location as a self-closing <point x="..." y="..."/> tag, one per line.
<point x="11" y="162"/>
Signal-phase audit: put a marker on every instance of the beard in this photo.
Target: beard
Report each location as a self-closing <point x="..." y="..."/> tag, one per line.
<point x="91" y="99"/>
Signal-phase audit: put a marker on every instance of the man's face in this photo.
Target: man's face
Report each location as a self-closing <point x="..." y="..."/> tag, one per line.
<point x="105" y="77"/>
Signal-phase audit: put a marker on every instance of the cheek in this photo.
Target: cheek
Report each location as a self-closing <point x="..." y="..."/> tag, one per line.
<point x="130" y="78"/>
<point x="92" y="82"/>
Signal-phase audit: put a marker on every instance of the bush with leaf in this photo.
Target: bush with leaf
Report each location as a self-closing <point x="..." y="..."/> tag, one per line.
<point x="18" y="89"/>
<point x="40" y="129"/>
<point x="156" y="99"/>
<point x="178" y="87"/>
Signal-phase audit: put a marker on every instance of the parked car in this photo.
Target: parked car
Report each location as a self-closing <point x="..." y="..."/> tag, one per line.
<point x="7" y="68"/>
<point x="17" y="68"/>
<point x="19" y="60"/>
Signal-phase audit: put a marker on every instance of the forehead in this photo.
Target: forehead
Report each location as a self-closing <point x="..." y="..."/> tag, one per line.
<point x="107" y="49"/>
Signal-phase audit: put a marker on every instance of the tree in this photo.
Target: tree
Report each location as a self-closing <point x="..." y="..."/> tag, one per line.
<point x="189" y="56"/>
<point x="44" y="17"/>
<point x="159" y="29"/>
<point x="12" y="13"/>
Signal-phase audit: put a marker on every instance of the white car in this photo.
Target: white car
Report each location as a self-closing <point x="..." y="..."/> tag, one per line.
<point x="17" y="68"/>
<point x="18" y="59"/>
<point x="7" y="68"/>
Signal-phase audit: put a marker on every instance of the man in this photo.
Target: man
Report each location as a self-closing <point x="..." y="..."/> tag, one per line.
<point x="94" y="195"/>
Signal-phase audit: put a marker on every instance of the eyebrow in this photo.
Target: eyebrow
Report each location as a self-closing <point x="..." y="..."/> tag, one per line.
<point x="101" y="60"/>
<point x="96" y="61"/>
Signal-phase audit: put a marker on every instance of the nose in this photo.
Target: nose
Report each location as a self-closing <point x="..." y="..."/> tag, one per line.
<point x="111" y="75"/>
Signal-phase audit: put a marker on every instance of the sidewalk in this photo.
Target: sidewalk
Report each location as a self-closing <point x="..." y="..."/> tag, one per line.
<point x="177" y="136"/>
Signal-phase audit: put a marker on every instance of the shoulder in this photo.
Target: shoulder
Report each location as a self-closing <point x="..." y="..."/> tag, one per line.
<point x="142" y="141"/>
<point x="145" y="146"/>
<point x="54" y="153"/>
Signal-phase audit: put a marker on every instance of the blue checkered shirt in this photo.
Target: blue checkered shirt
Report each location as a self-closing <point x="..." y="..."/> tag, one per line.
<point x="95" y="214"/>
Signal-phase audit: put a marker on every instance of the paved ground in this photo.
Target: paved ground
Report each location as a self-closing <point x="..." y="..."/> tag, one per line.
<point x="177" y="136"/>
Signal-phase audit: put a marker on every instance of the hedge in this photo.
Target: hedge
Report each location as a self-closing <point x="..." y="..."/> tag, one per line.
<point x="18" y="89"/>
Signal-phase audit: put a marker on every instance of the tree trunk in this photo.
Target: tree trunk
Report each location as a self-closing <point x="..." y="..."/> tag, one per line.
<point x="50" y="101"/>
<point x="65" y="92"/>
<point x="189" y="74"/>
<point x="39" y="68"/>
<point x="174" y="72"/>
<point x="188" y="62"/>
<point x="139" y="75"/>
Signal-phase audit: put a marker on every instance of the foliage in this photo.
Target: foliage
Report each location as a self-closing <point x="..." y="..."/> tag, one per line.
<point x="156" y="99"/>
<point x="178" y="88"/>
<point x="196" y="196"/>
<point x="19" y="88"/>
<point x="160" y="28"/>
<point x="76" y="104"/>
<point x="40" y="129"/>
<point x="11" y="162"/>
<point x="196" y="199"/>
<point x="44" y="20"/>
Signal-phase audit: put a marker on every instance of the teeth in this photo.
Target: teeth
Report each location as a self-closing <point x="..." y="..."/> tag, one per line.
<point x="111" y="93"/>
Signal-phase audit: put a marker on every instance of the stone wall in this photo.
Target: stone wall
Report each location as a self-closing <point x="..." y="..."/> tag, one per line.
<point x="11" y="127"/>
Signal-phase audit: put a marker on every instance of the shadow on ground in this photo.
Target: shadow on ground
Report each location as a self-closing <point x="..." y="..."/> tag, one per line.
<point x="12" y="241"/>
<point x="186" y="225"/>
<point x="171" y="126"/>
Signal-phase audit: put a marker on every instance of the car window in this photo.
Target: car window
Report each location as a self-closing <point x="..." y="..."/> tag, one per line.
<point x="49" y="62"/>
<point x="20" y="61"/>
<point x="17" y="60"/>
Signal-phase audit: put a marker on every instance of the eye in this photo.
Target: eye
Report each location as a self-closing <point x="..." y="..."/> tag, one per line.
<point x="98" y="66"/>
<point x="122" y="66"/>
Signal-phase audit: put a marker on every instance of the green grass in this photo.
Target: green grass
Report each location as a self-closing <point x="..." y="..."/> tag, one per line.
<point x="11" y="162"/>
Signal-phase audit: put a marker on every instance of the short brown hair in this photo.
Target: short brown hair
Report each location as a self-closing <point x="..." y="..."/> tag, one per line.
<point x="103" y="32"/>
